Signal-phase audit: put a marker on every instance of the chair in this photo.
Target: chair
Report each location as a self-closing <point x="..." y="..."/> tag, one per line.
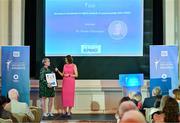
<point x="21" y="117"/>
<point x="5" y="120"/>
<point x="37" y="112"/>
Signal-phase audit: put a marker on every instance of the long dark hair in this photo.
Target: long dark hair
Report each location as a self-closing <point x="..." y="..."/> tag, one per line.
<point x="171" y="110"/>
<point x="69" y="59"/>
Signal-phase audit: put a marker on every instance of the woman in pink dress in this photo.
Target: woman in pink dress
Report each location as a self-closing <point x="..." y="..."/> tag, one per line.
<point x="68" y="85"/>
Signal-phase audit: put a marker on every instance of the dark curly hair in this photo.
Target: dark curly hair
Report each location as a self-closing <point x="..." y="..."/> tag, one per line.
<point x="171" y="110"/>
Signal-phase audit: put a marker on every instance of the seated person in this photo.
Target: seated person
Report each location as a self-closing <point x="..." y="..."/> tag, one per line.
<point x="17" y="107"/>
<point x="121" y="101"/>
<point x="153" y="101"/>
<point x="133" y="116"/>
<point x="157" y="116"/>
<point x="171" y="111"/>
<point x="176" y="93"/>
<point x="3" y="113"/>
<point x="138" y="98"/>
<point x="126" y="106"/>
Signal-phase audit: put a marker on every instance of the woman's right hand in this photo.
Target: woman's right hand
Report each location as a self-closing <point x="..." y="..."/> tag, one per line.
<point x="56" y="69"/>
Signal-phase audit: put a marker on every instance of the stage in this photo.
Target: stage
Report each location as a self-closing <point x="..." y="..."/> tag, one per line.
<point x="82" y="118"/>
<point x="91" y="97"/>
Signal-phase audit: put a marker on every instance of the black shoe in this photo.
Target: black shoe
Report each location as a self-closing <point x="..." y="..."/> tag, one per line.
<point x="64" y="115"/>
<point x="68" y="116"/>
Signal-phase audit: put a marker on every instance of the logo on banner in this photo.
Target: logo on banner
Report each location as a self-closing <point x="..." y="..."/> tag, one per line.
<point x="156" y="62"/>
<point x="15" y="78"/>
<point x="164" y="53"/>
<point x="164" y="76"/>
<point x="8" y="62"/>
<point x="16" y="54"/>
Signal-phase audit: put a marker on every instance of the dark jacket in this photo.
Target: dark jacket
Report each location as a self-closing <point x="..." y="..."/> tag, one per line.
<point x="153" y="101"/>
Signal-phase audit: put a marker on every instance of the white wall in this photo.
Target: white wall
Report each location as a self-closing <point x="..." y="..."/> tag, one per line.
<point x="169" y="22"/>
<point x="172" y="23"/>
<point x="11" y="23"/>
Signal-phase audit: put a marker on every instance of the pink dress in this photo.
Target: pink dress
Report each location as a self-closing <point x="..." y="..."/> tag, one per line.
<point x="68" y="86"/>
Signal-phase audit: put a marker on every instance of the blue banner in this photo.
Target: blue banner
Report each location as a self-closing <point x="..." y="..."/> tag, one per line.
<point x="15" y="71"/>
<point x="131" y="82"/>
<point x="164" y="65"/>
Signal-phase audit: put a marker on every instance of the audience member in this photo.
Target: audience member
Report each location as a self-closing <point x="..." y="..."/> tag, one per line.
<point x="3" y="113"/>
<point x="124" y="99"/>
<point x="126" y="106"/>
<point x="121" y="101"/>
<point x="154" y="100"/>
<point x="156" y="115"/>
<point x="17" y="107"/>
<point x="131" y="94"/>
<point x="163" y="101"/>
<point x="138" y="98"/>
<point x="176" y="93"/>
<point x="171" y="110"/>
<point x="133" y="116"/>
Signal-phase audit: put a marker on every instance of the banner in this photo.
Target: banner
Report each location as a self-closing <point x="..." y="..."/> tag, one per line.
<point x="15" y="71"/>
<point x="131" y="83"/>
<point x="164" y="66"/>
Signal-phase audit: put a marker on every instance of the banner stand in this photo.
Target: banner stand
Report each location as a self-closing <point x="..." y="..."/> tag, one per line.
<point x="15" y="71"/>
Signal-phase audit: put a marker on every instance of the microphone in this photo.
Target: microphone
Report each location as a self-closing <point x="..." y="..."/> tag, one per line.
<point x="53" y="67"/>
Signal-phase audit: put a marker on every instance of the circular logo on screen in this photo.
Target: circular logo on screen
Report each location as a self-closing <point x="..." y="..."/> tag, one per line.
<point x="117" y="30"/>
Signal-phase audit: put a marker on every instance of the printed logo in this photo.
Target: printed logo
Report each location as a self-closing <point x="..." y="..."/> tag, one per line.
<point x="164" y="53"/>
<point x="16" y="54"/>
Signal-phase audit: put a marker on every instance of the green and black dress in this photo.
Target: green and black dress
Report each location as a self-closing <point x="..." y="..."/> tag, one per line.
<point x="44" y="90"/>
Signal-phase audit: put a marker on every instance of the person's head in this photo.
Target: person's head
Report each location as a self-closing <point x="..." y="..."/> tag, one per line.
<point x="46" y="62"/>
<point x="157" y="116"/>
<point x="13" y="94"/>
<point x="156" y="91"/>
<point x="163" y="101"/>
<point x="133" y="116"/>
<point x="69" y="59"/>
<point x="171" y="110"/>
<point x="123" y="100"/>
<point x="126" y="106"/>
<point x="138" y="97"/>
<point x="131" y="94"/>
<point x="3" y="101"/>
<point x="176" y="93"/>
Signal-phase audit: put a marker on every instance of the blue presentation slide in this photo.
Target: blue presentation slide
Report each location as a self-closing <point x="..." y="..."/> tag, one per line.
<point x="94" y="27"/>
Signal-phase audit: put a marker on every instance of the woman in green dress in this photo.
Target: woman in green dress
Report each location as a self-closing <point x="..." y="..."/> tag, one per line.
<point x="45" y="89"/>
